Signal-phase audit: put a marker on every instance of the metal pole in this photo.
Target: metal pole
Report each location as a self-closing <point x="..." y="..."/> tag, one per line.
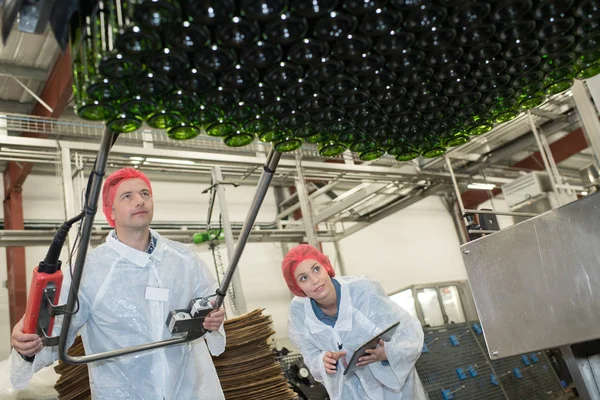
<point x="588" y="114"/>
<point x="338" y="256"/>
<point x="545" y="160"/>
<point x="68" y="193"/>
<point x="304" y="200"/>
<point x="507" y="213"/>
<point x="455" y="184"/>
<point x="239" y="301"/>
<point x="261" y="191"/>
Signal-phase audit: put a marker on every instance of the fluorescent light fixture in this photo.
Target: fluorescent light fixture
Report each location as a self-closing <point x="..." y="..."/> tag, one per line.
<point x="169" y="161"/>
<point x="136" y="158"/>
<point x="481" y="186"/>
<point x="584" y="193"/>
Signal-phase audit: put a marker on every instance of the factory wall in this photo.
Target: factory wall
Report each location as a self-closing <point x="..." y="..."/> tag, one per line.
<point x="416" y="245"/>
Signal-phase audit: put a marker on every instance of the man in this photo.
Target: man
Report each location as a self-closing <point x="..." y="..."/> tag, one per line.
<point x="129" y="286"/>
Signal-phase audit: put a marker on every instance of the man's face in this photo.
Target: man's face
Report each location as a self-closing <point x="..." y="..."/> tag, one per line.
<point x="133" y="207"/>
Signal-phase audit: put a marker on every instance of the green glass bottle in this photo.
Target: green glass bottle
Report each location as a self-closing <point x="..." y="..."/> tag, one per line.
<point x="183" y="130"/>
<point x="140" y="106"/>
<point x="105" y="90"/>
<point x="531" y="96"/>
<point x="476" y="120"/>
<point x="331" y="148"/>
<point x="205" y="116"/>
<point x="164" y="119"/>
<point x="137" y="42"/>
<point x="181" y="102"/>
<point x="239" y="138"/>
<point x="588" y="64"/>
<point x="242" y="113"/>
<point x="221" y="128"/>
<point x="124" y="123"/>
<point x="430" y="145"/>
<point x="156" y="14"/>
<point x="284" y="141"/>
<point x="151" y="86"/>
<point x="505" y="110"/>
<point x="263" y="126"/>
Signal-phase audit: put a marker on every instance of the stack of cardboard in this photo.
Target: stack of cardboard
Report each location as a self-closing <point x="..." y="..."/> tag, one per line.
<point x="248" y="369"/>
<point x="73" y="383"/>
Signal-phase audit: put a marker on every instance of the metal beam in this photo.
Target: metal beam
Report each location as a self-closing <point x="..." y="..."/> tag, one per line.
<point x="589" y="115"/>
<point x="15" y="107"/>
<point x="357" y="194"/>
<point x="305" y="205"/>
<point x="19" y="71"/>
<point x="393" y="207"/>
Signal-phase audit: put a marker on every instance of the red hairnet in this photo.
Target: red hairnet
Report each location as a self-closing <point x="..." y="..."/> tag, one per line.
<point x="294" y="257"/>
<point x="109" y="190"/>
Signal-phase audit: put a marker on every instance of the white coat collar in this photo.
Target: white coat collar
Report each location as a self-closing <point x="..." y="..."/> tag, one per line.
<point x="139" y="258"/>
<point x="344" y="321"/>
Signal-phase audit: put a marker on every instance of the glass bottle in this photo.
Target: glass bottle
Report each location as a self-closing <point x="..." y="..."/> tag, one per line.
<point x="140" y="106"/>
<point x="285" y="141"/>
<point x="531" y="95"/>
<point x="156" y="14"/>
<point x="237" y="33"/>
<point x="284" y="74"/>
<point x="240" y="77"/>
<point x="396" y="42"/>
<point x="151" y="85"/>
<point x="117" y="66"/>
<point x="242" y="113"/>
<point x="262" y="54"/>
<point x="325" y="69"/>
<point x="380" y="22"/>
<point x="286" y="29"/>
<point x="510" y="10"/>
<point x="239" y="139"/>
<point x="303" y="90"/>
<point x="313" y="8"/>
<point x="341" y="85"/>
<point x="205" y="116"/>
<point x="262" y="94"/>
<point x="163" y="119"/>
<point x="209" y="12"/>
<point x="169" y="62"/>
<point x="379" y="81"/>
<point x="262" y="10"/>
<point x="475" y="119"/>
<point x="355" y="98"/>
<point x="512" y="31"/>
<point x="187" y="37"/>
<point x="334" y="26"/>
<point x="469" y="13"/>
<point x="183" y="130"/>
<point x="331" y="148"/>
<point x="351" y="47"/>
<point x="216" y="59"/>
<point x="317" y="103"/>
<point x="282" y="106"/>
<point x="181" y="102"/>
<point x="135" y="41"/>
<point x="560" y="71"/>
<point x="425" y="18"/>
<point x="308" y="51"/>
<point x="196" y="81"/>
<point x="222" y="98"/>
<point x="476" y="35"/>
<point x="263" y="126"/>
<point x="124" y="123"/>
<point x="504" y="110"/>
<point x="435" y="40"/>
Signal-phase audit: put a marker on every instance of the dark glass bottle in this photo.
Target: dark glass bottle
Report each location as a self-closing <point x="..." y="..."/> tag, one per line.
<point x="209" y="12"/>
<point x="187" y="37"/>
<point x="237" y="33"/>
<point x="262" y="10"/>
<point x="216" y="59"/>
<point x="140" y="106"/>
<point x="240" y="77"/>
<point x="284" y="74"/>
<point x="183" y="130"/>
<point x="135" y="41"/>
<point x="156" y="14"/>
<point x="262" y="54"/>
<point x="285" y="30"/>
<point x="335" y="25"/>
<point x="168" y="62"/>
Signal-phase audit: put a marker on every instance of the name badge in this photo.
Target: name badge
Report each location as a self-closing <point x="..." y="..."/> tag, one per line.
<point x="157" y="294"/>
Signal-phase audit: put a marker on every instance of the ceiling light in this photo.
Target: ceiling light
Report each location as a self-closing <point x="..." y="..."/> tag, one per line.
<point x="584" y="193"/>
<point x="481" y="186"/>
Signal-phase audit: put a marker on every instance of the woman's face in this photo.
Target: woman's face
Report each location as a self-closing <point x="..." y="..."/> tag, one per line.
<point x="313" y="279"/>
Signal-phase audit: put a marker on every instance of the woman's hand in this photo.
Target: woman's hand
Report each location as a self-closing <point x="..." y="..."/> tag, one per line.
<point x="330" y="360"/>
<point x="376" y="354"/>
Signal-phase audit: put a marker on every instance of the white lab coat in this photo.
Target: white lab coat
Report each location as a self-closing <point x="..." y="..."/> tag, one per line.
<point x="364" y="311"/>
<point x="114" y="313"/>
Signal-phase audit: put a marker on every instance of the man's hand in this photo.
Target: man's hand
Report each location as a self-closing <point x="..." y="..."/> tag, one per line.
<point x="214" y="320"/>
<point x="27" y="344"/>
<point x="330" y="360"/>
<point x="376" y="354"/>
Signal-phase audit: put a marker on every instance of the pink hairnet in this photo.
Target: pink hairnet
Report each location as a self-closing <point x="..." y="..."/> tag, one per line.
<point x="109" y="190"/>
<point x="294" y="257"/>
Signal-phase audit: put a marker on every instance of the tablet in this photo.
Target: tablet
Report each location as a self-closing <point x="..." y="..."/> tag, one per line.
<point x="386" y="336"/>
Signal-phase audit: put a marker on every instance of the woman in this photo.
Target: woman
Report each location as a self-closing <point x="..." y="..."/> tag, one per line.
<point x="332" y="317"/>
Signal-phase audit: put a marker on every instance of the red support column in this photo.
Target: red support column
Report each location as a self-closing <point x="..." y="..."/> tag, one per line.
<point x="14" y="176"/>
<point x="56" y="94"/>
